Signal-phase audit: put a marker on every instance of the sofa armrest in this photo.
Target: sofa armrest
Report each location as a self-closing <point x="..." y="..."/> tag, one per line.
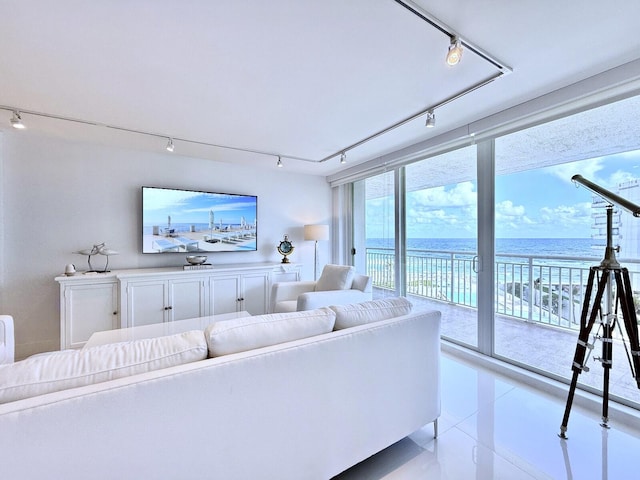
<point x="313" y="300"/>
<point x="7" y="341"/>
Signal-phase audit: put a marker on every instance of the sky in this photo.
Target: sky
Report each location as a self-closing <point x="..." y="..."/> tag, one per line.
<point x="186" y="206"/>
<point x="540" y="203"/>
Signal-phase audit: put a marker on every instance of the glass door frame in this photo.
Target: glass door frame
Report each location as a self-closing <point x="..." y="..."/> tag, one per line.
<point x="485" y="164"/>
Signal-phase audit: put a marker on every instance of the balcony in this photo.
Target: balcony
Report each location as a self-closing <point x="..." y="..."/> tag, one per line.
<point x="538" y="303"/>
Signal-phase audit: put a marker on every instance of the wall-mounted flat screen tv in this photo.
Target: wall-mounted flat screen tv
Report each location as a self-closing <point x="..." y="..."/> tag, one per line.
<point x="189" y="221"/>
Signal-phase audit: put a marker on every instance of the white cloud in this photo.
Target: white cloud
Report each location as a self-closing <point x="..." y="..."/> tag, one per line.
<point x="508" y="209"/>
<point x="618" y="177"/>
<point x="563" y="216"/>
<point x="587" y="168"/>
<point x="442" y="209"/>
<point x="510" y="216"/>
<point x="460" y="195"/>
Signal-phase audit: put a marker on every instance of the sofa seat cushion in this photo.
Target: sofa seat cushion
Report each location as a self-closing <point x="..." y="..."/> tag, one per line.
<point x="242" y="334"/>
<point x="335" y="277"/>
<point x="56" y="371"/>
<point x="372" y="311"/>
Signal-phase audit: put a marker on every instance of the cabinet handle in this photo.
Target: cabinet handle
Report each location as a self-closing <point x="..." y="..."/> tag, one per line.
<point x="115" y="313"/>
<point x="169" y="308"/>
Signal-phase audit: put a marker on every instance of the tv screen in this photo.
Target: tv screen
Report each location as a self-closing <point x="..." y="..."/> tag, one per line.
<point x="190" y="221"/>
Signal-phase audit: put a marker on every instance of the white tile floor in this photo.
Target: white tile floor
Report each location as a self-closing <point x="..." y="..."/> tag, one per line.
<point x="493" y="427"/>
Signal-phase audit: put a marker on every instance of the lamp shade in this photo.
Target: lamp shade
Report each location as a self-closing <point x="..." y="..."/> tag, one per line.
<point x="316" y="232"/>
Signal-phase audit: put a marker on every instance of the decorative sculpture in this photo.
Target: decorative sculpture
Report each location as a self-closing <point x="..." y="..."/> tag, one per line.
<point x="98" y="249"/>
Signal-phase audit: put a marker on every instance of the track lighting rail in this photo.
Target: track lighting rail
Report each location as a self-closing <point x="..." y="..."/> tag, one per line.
<point x="341" y="153"/>
<point x="422" y="112"/>
<point x="150" y="134"/>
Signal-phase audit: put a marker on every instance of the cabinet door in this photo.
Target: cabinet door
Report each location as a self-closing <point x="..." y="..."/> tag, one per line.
<point x="225" y="291"/>
<point x="147" y="302"/>
<point x="88" y="309"/>
<point x="187" y="298"/>
<point x="254" y="292"/>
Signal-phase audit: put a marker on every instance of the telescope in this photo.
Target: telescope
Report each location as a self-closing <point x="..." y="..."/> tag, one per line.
<point x="611" y="197"/>
<point x="614" y="295"/>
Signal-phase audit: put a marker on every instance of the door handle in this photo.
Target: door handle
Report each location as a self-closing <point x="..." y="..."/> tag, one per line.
<point x="476" y="263"/>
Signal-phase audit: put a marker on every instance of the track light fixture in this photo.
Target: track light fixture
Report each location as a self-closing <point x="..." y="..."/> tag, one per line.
<point x="16" y="120"/>
<point x="431" y="119"/>
<point x="279" y="164"/>
<point x="343" y="158"/>
<point x="170" y="145"/>
<point x="455" y="52"/>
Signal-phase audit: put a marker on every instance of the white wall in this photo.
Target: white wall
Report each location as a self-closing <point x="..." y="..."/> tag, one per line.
<point x="58" y="197"/>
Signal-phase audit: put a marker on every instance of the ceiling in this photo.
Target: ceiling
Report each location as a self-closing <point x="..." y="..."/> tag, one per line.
<point x="248" y="81"/>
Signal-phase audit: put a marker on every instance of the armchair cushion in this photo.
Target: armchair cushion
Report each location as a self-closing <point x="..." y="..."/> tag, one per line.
<point x="335" y="277"/>
<point x="313" y="300"/>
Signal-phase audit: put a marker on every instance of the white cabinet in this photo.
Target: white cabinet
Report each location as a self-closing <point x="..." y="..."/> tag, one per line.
<point x="241" y="292"/>
<point x="155" y="300"/>
<point x="130" y="298"/>
<point x="85" y="308"/>
<point x="286" y="272"/>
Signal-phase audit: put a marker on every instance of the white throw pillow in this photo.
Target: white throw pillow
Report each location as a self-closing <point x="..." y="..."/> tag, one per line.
<point x="366" y="312"/>
<point x="247" y="333"/>
<point x="56" y="371"/>
<point x="335" y="277"/>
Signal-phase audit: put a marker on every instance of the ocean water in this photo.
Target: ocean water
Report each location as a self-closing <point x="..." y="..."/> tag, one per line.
<point x="186" y="227"/>
<point x="448" y="276"/>
<point x="569" y="247"/>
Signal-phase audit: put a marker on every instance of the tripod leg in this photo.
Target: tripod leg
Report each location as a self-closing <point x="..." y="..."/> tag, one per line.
<point x="607" y="360"/>
<point x="625" y="294"/>
<point x="583" y="340"/>
<point x="605" y="400"/>
<point x="567" y="408"/>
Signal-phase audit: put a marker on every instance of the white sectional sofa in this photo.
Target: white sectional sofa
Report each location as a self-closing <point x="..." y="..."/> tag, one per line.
<point x="272" y="403"/>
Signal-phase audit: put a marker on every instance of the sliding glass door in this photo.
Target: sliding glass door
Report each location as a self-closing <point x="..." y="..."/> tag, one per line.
<point x="550" y="231"/>
<point x="441" y="264"/>
<point x="374" y="228"/>
<point x="499" y="239"/>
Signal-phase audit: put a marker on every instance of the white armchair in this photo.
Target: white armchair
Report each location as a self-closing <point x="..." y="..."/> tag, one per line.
<point x="338" y="285"/>
<point x="7" y="341"/>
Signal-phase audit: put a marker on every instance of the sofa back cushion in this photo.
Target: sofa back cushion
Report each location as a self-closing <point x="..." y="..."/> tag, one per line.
<point x="366" y="312"/>
<point x="247" y="333"/>
<point x="335" y="277"/>
<point x="51" y="372"/>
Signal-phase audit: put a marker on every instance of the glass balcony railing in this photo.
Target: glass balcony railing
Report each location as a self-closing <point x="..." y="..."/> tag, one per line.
<point x="543" y="289"/>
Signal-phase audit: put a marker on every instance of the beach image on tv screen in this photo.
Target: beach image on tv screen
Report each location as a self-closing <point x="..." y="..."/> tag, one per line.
<point x="187" y="221"/>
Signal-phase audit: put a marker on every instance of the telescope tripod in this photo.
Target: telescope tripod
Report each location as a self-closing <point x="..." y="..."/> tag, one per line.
<point x="622" y="297"/>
